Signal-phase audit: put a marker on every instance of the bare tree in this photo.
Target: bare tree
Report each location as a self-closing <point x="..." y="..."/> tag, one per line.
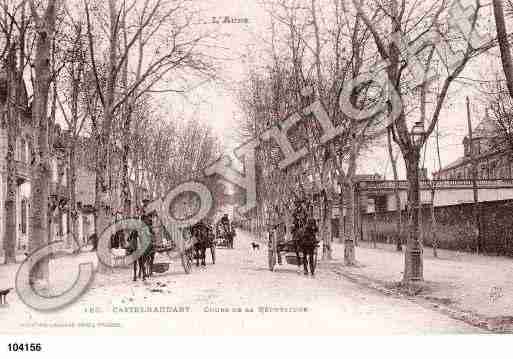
<point x="159" y="41"/>
<point x="44" y="32"/>
<point x="401" y="15"/>
<point x="14" y="100"/>
<point x="74" y="113"/>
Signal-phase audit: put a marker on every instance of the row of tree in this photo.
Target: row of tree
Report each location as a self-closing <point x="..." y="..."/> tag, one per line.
<point x="99" y="69"/>
<point x="388" y="53"/>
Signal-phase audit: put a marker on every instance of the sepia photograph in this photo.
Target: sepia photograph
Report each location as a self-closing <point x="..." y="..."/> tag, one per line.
<point x="255" y="168"/>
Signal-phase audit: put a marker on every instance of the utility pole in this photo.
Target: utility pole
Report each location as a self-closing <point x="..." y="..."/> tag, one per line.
<point x="475" y="207"/>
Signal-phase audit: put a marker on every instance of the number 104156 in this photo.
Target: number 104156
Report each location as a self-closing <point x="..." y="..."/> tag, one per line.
<point x="24" y="347"/>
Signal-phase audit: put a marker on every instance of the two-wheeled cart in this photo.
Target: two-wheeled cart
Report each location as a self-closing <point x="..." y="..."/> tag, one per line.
<point x="278" y="246"/>
<point x="178" y="244"/>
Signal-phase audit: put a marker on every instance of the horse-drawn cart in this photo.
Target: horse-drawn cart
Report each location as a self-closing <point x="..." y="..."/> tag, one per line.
<point x="202" y="240"/>
<point x="225" y="236"/>
<point x="177" y="244"/>
<point x="279" y="245"/>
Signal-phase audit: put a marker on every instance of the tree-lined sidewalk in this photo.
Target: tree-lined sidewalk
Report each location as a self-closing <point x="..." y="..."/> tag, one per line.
<point x="475" y="286"/>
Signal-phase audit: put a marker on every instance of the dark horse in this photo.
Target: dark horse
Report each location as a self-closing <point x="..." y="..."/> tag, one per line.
<point x="145" y="261"/>
<point x="306" y="242"/>
<point x="201" y="233"/>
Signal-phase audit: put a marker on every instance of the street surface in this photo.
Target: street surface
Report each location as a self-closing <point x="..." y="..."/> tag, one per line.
<point x="207" y="300"/>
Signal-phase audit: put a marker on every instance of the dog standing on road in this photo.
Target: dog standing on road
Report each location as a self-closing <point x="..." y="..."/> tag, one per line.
<point x="255" y="246"/>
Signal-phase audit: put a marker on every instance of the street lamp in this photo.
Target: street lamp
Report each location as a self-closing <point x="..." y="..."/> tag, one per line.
<point x="414" y="251"/>
<point x="417" y="133"/>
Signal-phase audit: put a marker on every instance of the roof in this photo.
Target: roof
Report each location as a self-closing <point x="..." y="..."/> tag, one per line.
<point x="453" y="164"/>
<point x="485" y="128"/>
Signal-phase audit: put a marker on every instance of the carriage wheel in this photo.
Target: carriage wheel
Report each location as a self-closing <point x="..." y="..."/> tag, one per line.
<point x="186" y="261"/>
<point x="213" y="252"/>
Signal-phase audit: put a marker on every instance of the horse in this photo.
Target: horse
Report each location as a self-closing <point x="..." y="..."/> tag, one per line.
<point x="202" y="236"/>
<point x="306" y="242"/>
<point x="145" y="261"/>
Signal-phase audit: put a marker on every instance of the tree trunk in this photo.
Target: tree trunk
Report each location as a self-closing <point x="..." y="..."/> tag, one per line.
<point x="375" y="230"/>
<point x="45" y="29"/>
<point x="341" y="218"/>
<point x="413" y="266"/>
<point x="504" y="45"/>
<point x="327" y="252"/>
<point x="350" y="234"/>
<point x="10" y="200"/>
<point x="125" y="182"/>
<point x="104" y="136"/>
<point x="101" y="218"/>
<point x="73" y="210"/>
<point x="398" y="223"/>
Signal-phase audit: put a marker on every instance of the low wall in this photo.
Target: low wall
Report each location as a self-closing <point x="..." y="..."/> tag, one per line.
<point x="453" y="227"/>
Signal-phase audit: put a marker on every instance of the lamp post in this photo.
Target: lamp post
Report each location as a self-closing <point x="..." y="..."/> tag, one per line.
<point x="414" y="265"/>
<point x="417" y="134"/>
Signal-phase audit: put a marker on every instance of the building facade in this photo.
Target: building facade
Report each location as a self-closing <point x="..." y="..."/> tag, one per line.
<point x="492" y="156"/>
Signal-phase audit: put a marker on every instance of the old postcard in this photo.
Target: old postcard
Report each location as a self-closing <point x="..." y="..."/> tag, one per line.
<point x="246" y="167"/>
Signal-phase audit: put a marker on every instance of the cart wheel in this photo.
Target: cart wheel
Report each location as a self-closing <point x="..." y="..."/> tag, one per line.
<point x="213" y="252"/>
<point x="186" y="261"/>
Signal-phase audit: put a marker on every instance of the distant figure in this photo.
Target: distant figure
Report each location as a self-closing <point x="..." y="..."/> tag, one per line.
<point x="308" y="242"/>
<point x="228" y="230"/>
<point x="147" y="218"/>
<point x="93" y="239"/>
<point x="299" y="217"/>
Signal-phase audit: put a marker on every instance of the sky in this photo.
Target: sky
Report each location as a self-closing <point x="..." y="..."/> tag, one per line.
<point x="218" y="105"/>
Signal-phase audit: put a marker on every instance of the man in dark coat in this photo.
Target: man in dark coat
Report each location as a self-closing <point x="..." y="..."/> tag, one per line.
<point x="147" y="218"/>
<point x="308" y="244"/>
<point x="298" y="222"/>
<point x="228" y="230"/>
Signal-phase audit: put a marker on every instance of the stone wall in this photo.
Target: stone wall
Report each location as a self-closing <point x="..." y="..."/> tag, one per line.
<point x="453" y="227"/>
